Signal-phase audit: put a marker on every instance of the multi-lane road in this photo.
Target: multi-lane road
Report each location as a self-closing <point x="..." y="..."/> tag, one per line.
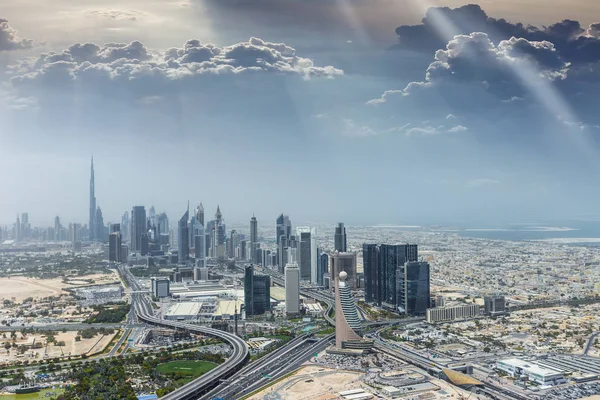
<point x="194" y="389"/>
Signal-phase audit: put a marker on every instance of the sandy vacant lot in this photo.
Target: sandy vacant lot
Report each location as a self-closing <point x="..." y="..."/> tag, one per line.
<point x="326" y="384"/>
<point x="18" y="288"/>
<point x="71" y="347"/>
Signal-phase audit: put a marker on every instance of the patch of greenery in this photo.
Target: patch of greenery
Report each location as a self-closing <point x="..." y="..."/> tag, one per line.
<point x="110" y="313"/>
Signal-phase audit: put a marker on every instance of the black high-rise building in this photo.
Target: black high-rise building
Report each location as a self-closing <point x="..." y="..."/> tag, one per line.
<point x="138" y="227"/>
<point x="322" y="266"/>
<point x="114" y="244"/>
<point x="183" y="238"/>
<point x="339" y="238"/>
<point x="412" y="285"/>
<point x="380" y="263"/>
<point x="283" y="228"/>
<point x="257" y="292"/>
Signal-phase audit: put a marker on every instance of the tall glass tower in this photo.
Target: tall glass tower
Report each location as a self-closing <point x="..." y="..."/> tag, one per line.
<point x="92" y="215"/>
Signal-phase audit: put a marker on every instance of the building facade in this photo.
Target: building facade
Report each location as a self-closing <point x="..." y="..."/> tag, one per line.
<point x="441" y="314"/>
<point x="307" y="253"/>
<point x="412" y="286"/>
<point x="257" y="292"/>
<point x="345" y="262"/>
<point x="292" y="289"/>
<point x="339" y="239"/>
<point x="380" y="264"/>
<point x="348" y="326"/>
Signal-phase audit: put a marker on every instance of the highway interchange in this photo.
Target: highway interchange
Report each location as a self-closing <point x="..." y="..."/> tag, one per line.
<point x="234" y="379"/>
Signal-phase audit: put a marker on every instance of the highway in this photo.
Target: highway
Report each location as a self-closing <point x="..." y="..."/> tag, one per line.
<point x="269" y="367"/>
<point x="193" y="390"/>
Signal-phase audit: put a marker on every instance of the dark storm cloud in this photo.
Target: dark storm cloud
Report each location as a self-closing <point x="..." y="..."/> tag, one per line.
<point x="9" y="39"/>
<point x="474" y="60"/>
<point x="573" y="42"/>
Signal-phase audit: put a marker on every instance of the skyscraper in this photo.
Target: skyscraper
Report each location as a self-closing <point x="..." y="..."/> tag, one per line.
<point x="253" y="236"/>
<point x="339" y="238"/>
<point x="344" y="262"/>
<point x="57" y="229"/>
<point x="322" y="267"/>
<point x="92" y="219"/>
<point x="183" y="238"/>
<point x="292" y="289"/>
<point x="380" y="263"/>
<point x="307" y="253"/>
<point x="348" y="326"/>
<point x="200" y="214"/>
<point x="199" y="239"/>
<point x="138" y="227"/>
<point x="282" y="253"/>
<point x="412" y="285"/>
<point x="283" y="227"/>
<point x="126" y="227"/>
<point x="114" y="244"/>
<point x="219" y="236"/>
<point x="99" y="226"/>
<point x="17" y="236"/>
<point x="257" y="292"/>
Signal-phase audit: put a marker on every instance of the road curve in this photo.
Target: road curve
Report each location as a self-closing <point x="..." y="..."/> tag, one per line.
<point x="195" y="388"/>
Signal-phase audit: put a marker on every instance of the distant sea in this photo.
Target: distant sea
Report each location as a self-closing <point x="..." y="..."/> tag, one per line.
<point x="567" y="231"/>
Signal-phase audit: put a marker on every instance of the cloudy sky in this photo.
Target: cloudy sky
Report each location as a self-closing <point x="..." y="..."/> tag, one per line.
<point x="366" y="111"/>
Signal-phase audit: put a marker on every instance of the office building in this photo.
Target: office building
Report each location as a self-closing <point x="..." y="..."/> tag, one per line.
<point x="200" y="214"/>
<point x="57" y="229"/>
<point x="494" y="305"/>
<point x="217" y="232"/>
<point x="322" y="268"/>
<point x="412" y="286"/>
<point x="283" y="227"/>
<point x="145" y="244"/>
<point x="442" y="314"/>
<point x="126" y="227"/>
<point x="74" y="231"/>
<point x="253" y="237"/>
<point x="100" y="233"/>
<point x="161" y="287"/>
<point x="345" y="262"/>
<point x="348" y="326"/>
<point x="307" y="253"/>
<point x="200" y="273"/>
<point x="17" y="235"/>
<point x="257" y="292"/>
<point x="339" y="239"/>
<point x="183" y="244"/>
<point x="92" y="215"/>
<point x="114" y="246"/>
<point x="199" y="243"/>
<point x="138" y="227"/>
<point x="292" y="289"/>
<point x="380" y="263"/>
<point x="282" y="252"/>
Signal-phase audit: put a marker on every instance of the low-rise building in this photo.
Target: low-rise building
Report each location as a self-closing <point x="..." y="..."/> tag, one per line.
<point x="441" y="314"/>
<point x="543" y="376"/>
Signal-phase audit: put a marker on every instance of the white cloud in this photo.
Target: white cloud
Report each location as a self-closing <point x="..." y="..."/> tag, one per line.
<point x="458" y="128"/>
<point x="9" y="39"/>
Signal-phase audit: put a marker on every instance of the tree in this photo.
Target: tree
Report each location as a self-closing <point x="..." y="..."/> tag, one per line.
<point x="487" y="349"/>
